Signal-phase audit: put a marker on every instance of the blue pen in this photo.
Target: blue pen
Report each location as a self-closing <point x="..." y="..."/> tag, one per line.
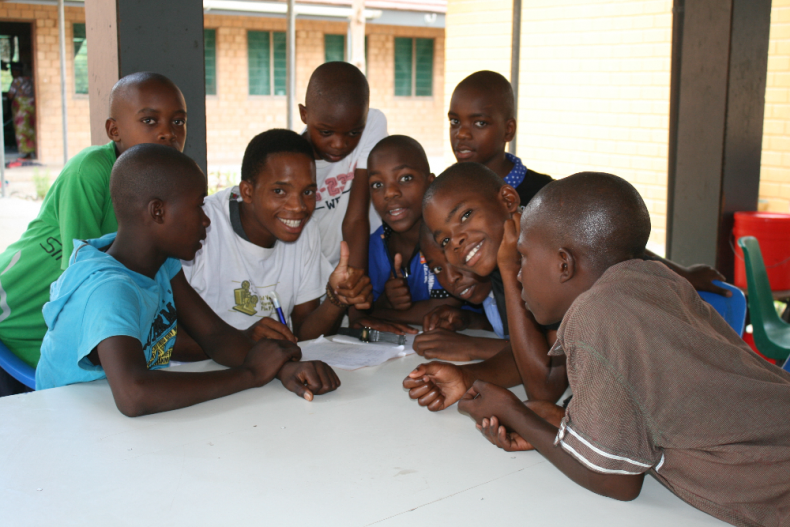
<point x="276" y="302"/>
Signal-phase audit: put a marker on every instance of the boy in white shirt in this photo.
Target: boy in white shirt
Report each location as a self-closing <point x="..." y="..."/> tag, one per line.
<point x="261" y="242"/>
<point x="342" y="131"/>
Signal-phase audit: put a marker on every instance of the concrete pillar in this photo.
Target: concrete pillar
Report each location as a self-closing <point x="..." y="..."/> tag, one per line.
<point x="147" y="35"/>
<point x="720" y="58"/>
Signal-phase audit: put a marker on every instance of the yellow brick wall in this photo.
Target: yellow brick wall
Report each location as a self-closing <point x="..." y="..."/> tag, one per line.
<point x="234" y="117"/>
<point x="46" y="48"/>
<point x="775" y="169"/>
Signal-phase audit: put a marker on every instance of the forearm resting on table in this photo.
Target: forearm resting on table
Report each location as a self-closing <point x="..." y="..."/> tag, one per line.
<point x="500" y="369"/>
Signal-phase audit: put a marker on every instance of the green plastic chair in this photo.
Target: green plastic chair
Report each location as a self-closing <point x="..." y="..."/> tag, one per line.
<point x="771" y="333"/>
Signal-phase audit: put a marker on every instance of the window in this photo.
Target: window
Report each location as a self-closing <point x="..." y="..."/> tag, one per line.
<point x="80" y="59"/>
<point x="210" y="60"/>
<point x="266" y="62"/>
<point x="334" y="48"/>
<point x="413" y="67"/>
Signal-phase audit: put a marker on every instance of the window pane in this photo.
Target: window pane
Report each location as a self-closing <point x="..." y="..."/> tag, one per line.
<point x="210" y="60"/>
<point x="403" y="66"/>
<point x="280" y="63"/>
<point x="80" y="59"/>
<point x="258" y="62"/>
<point x="423" y="69"/>
<point x="334" y="48"/>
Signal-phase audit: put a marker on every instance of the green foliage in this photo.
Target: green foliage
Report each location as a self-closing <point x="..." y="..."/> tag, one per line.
<point x="221" y="179"/>
<point x="41" y="182"/>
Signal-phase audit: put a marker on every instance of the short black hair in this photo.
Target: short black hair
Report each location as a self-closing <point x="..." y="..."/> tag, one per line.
<point x="495" y="86"/>
<point x="270" y="142"/>
<point x="337" y="84"/>
<point x="149" y="171"/>
<point x="601" y="215"/>
<point x="465" y="175"/>
<point x="403" y="143"/>
<point x="135" y="80"/>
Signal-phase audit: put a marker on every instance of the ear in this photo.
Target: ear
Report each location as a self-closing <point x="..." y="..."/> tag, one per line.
<point x="566" y="264"/>
<point x="509" y="198"/>
<point x="430" y="178"/>
<point x="156" y="209"/>
<point x="246" y="189"/>
<point x="510" y="130"/>
<point x="111" y="127"/>
<point x="303" y="113"/>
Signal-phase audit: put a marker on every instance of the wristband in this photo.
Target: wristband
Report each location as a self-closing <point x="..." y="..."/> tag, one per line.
<point x="333" y="297"/>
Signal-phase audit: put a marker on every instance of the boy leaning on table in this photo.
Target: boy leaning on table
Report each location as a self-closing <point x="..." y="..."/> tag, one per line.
<point x="116" y="310"/>
<point x="661" y="383"/>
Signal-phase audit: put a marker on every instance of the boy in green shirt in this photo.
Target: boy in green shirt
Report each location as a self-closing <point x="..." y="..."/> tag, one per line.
<point x="144" y="108"/>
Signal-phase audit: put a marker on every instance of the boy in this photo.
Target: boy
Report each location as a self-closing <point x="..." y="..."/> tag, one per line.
<point x="144" y="108"/>
<point x="661" y="383"/>
<point x="482" y="122"/>
<point x="116" y="309"/>
<point x="404" y="288"/>
<point x="342" y="131"/>
<point x="261" y="242"/>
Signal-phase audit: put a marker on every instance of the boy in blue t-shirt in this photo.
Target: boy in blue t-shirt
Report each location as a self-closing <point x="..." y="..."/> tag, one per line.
<point x="116" y="310"/>
<point x="404" y="288"/>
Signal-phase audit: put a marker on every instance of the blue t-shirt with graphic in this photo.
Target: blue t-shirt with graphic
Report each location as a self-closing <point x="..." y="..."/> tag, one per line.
<point x="98" y="298"/>
<point x="423" y="284"/>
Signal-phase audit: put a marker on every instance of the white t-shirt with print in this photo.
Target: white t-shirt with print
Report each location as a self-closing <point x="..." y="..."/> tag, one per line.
<point x="235" y="276"/>
<point x="334" y="185"/>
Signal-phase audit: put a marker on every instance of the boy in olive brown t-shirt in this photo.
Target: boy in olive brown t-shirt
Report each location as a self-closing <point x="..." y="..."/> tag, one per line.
<point x="661" y="383"/>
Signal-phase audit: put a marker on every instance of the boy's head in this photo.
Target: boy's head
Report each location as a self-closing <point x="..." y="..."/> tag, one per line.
<point x="466" y="208"/>
<point x="458" y="282"/>
<point x="157" y="192"/>
<point x="398" y="174"/>
<point x="278" y="184"/>
<point x="147" y="107"/>
<point x="572" y="231"/>
<point x="482" y="117"/>
<point x="335" y="110"/>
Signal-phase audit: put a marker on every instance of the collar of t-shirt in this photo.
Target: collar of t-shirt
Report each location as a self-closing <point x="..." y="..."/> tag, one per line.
<point x="517" y="173"/>
<point x="235" y="219"/>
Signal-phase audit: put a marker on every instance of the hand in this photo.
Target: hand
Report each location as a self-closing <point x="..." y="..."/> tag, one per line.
<point x="702" y="276"/>
<point x="268" y="328"/>
<point x="446" y="317"/>
<point x="445" y="345"/>
<point x="267" y="357"/>
<point x="484" y="400"/>
<point x="396" y="288"/>
<point x="508" y="258"/>
<point x="437" y="385"/>
<point x="383" y="325"/>
<point x="498" y="435"/>
<point x="350" y="284"/>
<point x="308" y="378"/>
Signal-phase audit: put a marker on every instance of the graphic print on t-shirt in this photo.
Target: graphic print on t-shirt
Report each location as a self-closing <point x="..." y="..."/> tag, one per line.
<point x="161" y="336"/>
<point x="247" y="298"/>
<point x="333" y="188"/>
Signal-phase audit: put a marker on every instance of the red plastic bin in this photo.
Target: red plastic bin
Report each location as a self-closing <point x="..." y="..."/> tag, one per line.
<point x="772" y="230"/>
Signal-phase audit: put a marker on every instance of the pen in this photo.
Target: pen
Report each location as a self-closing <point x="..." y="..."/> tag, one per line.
<point x="276" y="302"/>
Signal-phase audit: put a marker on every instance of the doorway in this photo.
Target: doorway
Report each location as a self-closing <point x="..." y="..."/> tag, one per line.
<point x="16" y="48"/>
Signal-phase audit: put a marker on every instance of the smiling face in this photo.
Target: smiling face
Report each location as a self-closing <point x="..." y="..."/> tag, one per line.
<point x="334" y="131"/>
<point x="398" y="181"/>
<point x="469" y="225"/>
<point x="279" y="200"/>
<point x="185" y="220"/>
<point x="458" y="282"/>
<point x="150" y="112"/>
<point x="478" y="126"/>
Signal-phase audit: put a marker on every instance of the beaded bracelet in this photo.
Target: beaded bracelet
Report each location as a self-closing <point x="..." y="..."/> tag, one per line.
<point x="333" y="297"/>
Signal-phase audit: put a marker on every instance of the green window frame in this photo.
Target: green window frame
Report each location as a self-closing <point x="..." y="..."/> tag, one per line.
<point x="334" y="48"/>
<point x="266" y="62"/>
<point x="413" y="67"/>
<point x="210" y="60"/>
<point x="80" y="58"/>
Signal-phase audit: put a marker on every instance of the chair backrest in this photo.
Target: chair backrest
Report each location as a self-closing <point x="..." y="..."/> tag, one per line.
<point x="17" y="368"/>
<point x="761" y="302"/>
<point x="732" y="309"/>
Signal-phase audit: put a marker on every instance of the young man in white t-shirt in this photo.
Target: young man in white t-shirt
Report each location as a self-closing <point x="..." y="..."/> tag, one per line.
<point x="261" y="242"/>
<point x="342" y="131"/>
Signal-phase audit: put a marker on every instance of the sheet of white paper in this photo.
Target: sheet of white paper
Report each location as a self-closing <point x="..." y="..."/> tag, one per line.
<point x="348" y="353"/>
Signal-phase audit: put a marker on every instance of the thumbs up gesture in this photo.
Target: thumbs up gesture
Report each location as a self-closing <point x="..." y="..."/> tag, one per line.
<point x="351" y="285"/>
<point x="396" y="288"/>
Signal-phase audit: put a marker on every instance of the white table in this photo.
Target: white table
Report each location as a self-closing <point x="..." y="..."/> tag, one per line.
<point x="363" y="455"/>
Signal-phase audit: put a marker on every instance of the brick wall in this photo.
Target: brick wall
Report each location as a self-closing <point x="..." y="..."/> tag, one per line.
<point x="234" y="117"/>
<point x="775" y="169"/>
